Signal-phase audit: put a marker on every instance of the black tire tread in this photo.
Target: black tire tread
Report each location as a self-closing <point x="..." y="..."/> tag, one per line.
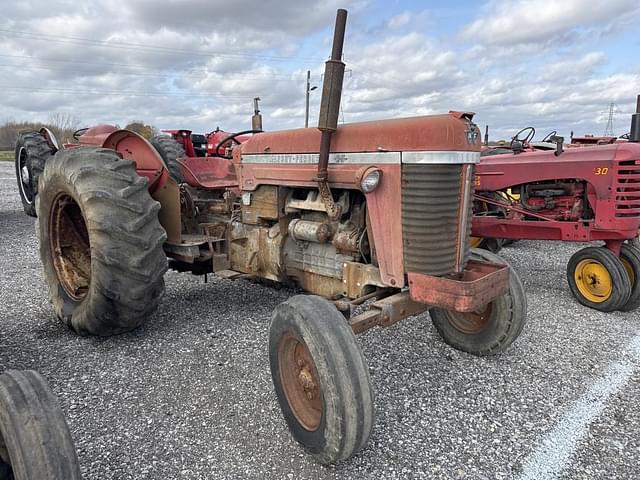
<point x="331" y="340"/>
<point x="512" y="322"/>
<point x="39" y="151"/>
<point x="632" y="255"/>
<point x="128" y="261"/>
<point x="34" y="429"/>
<point x="621" y="284"/>
<point x="170" y="150"/>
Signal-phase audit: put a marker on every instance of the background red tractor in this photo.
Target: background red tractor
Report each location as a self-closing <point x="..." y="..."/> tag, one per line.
<point x="372" y="219"/>
<point x="544" y="192"/>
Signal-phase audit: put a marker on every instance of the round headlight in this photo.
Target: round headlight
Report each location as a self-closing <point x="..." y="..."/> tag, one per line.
<point x="370" y="181"/>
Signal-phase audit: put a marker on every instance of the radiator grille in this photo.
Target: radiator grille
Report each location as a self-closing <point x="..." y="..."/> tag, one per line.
<point x="627" y="188"/>
<point x="432" y="200"/>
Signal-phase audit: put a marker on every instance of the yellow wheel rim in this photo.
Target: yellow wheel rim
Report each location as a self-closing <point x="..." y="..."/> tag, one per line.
<point x="629" y="268"/>
<point x="475" y="241"/>
<point x="593" y="280"/>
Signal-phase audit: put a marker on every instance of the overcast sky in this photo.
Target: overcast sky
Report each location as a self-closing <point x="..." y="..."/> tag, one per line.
<point x="198" y="63"/>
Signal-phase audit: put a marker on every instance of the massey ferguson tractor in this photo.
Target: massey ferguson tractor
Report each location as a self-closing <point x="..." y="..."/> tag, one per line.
<point x="591" y="193"/>
<point x="35" y="443"/>
<point x="371" y="219"/>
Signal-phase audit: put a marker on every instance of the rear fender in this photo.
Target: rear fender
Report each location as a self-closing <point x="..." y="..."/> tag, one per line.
<point x="149" y="164"/>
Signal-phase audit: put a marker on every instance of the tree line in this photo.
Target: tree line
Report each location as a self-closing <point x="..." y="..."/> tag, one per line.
<point x="62" y="125"/>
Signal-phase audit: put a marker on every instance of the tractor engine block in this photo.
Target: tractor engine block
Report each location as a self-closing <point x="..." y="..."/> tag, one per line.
<point x="560" y="201"/>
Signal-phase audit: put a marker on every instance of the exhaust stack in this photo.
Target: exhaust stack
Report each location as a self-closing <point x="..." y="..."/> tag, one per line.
<point x="330" y="109"/>
<point x="256" y="120"/>
<point x="634" y="134"/>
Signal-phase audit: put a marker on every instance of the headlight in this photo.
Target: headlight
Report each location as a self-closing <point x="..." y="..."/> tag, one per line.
<point x="370" y="181"/>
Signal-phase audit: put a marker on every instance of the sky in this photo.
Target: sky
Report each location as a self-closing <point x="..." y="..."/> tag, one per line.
<point x="198" y="64"/>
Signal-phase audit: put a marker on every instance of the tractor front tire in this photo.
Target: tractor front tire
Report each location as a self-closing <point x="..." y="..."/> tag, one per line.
<point x="170" y="150"/>
<point x="32" y="152"/>
<point x="598" y="279"/>
<point x="321" y="378"/>
<point x="35" y="443"/>
<point x="491" y="329"/>
<point x="630" y="258"/>
<point x="100" y="241"/>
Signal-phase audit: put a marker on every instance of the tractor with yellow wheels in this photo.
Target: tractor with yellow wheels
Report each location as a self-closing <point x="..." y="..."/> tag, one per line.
<point x="545" y="191"/>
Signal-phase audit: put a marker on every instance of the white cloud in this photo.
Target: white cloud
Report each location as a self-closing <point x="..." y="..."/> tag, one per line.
<point x="508" y="22"/>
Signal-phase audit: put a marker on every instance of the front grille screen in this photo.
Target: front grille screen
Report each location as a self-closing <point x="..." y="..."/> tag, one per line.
<point x="435" y="231"/>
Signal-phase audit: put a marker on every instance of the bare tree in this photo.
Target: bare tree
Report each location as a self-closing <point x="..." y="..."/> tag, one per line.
<point x="63" y="125"/>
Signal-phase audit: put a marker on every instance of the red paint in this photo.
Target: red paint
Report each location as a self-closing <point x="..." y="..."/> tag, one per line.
<point x="616" y="216"/>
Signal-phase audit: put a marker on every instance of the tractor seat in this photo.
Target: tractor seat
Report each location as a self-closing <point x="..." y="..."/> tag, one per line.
<point x="208" y="172"/>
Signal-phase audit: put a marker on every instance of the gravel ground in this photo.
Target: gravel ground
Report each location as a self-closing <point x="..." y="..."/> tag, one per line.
<point x="189" y="394"/>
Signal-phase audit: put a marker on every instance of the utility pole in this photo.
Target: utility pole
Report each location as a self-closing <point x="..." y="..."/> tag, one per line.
<point x="306" y="105"/>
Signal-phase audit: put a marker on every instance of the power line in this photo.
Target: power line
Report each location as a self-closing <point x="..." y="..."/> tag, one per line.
<point x="147" y="48"/>
<point x="167" y="76"/>
<point x="146" y="67"/>
<point x="121" y="93"/>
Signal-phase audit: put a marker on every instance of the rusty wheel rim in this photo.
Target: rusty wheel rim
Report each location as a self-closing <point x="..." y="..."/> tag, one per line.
<point x="471" y="322"/>
<point x="300" y="382"/>
<point x="70" y="248"/>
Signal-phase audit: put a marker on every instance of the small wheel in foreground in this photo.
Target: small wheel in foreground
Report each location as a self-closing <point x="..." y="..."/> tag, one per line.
<point x="630" y="258"/>
<point x="320" y="378"/>
<point x="35" y="443"/>
<point x="635" y="242"/>
<point x="491" y="329"/>
<point x="597" y="279"/>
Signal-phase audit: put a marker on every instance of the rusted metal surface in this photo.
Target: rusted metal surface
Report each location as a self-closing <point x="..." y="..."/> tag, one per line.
<point x="387" y="311"/>
<point x="257" y="250"/>
<point x="471" y="323"/>
<point x="433" y="214"/>
<point x="261" y="204"/>
<point x="300" y="381"/>
<point x="356" y="277"/>
<point x="70" y="247"/>
<point x="170" y="210"/>
<point x="479" y="284"/>
<point x="306" y="231"/>
<point x="426" y="133"/>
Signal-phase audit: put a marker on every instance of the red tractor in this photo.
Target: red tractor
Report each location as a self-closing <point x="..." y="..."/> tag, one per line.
<point x="372" y="219"/>
<point x="592" y="193"/>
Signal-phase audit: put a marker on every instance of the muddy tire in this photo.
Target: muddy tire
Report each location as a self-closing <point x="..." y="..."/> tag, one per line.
<point x="100" y="241"/>
<point x="635" y="242"/>
<point x="32" y="152"/>
<point x="598" y="279"/>
<point x="630" y="258"/>
<point x="35" y="443"/>
<point x="492" y="329"/>
<point x="320" y="378"/>
<point x="170" y="150"/>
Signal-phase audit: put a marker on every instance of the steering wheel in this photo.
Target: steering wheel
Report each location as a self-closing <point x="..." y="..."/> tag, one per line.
<point x="625" y="136"/>
<point x="548" y="136"/>
<point x="77" y="133"/>
<point x="527" y="138"/>
<point x="233" y="139"/>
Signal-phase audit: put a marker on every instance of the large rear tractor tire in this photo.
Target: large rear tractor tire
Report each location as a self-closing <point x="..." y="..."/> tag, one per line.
<point x="491" y="329"/>
<point x="598" y="279"/>
<point x="320" y="378"/>
<point x="100" y="241"/>
<point x="170" y="150"/>
<point x="32" y="152"/>
<point x="35" y="443"/>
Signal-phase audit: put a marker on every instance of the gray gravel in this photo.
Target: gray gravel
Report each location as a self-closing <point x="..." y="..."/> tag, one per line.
<point x="189" y="394"/>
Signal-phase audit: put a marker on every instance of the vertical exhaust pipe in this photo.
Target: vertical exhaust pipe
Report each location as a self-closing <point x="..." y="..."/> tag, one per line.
<point x="634" y="133"/>
<point x="330" y="109"/>
<point x="486" y="135"/>
<point x="256" y="119"/>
